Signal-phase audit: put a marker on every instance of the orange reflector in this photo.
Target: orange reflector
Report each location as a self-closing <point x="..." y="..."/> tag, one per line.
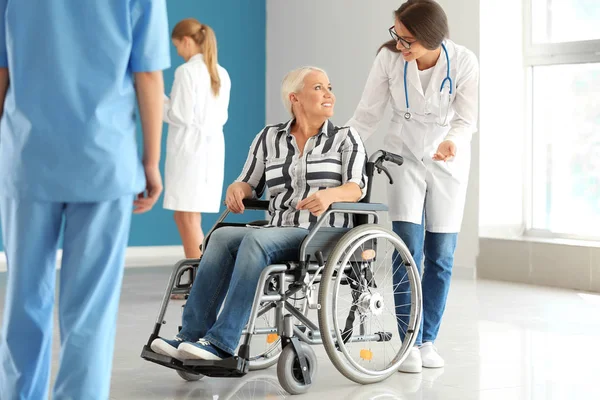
<point x="272" y="338"/>
<point x="368" y="254"/>
<point x="366" y="354"/>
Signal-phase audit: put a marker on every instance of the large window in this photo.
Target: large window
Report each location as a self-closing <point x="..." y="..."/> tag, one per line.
<point x="562" y="53"/>
<point x="564" y="21"/>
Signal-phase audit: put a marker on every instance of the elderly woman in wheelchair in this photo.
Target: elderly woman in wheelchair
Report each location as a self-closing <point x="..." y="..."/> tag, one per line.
<point x="307" y="164"/>
<point x="316" y="174"/>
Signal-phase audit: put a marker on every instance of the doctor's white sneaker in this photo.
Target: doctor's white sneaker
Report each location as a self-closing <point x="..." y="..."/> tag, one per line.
<point x="413" y="363"/>
<point x="430" y="356"/>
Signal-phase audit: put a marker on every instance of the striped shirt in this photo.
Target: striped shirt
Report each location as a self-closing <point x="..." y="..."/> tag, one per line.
<point x="335" y="156"/>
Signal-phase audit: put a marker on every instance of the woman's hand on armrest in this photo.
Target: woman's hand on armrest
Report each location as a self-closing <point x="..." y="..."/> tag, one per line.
<point x="236" y="192"/>
<point x="317" y="203"/>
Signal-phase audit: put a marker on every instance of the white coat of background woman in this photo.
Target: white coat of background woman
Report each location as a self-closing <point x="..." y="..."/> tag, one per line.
<point x="196" y="113"/>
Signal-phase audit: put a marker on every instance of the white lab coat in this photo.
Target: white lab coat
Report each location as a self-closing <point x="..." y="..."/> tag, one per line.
<point x="420" y="182"/>
<point x="195" y="158"/>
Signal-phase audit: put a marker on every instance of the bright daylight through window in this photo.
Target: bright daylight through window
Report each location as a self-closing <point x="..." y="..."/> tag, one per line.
<point x="563" y="53"/>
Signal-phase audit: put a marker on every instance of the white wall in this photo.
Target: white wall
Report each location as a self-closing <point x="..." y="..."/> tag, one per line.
<point x="502" y="118"/>
<point x="342" y="36"/>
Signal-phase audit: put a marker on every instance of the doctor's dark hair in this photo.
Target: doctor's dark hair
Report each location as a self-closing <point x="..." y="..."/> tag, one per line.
<point x="203" y="36"/>
<point x="425" y="19"/>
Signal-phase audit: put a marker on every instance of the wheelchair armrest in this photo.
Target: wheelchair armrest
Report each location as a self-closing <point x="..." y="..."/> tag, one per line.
<point x="254" y="204"/>
<point x="259" y="222"/>
<point x="358" y="206"/>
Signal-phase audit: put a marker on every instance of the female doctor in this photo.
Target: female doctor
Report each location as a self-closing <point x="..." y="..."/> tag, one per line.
<point x="196" y="113"/>
<point x="432" y="86"/>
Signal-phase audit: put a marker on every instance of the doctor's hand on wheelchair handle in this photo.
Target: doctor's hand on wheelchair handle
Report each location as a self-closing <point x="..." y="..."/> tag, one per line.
<point x="446" y="151"/>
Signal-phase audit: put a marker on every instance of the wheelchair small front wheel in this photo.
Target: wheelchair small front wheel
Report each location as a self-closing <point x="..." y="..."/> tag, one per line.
<point x="289" y="371"/>
<point x="188" y="376"/>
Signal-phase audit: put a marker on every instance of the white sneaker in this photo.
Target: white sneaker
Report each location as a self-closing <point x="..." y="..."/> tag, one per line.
<point x="201" y="350"/>
<point x="167" y="347"/>
<point x="430" y="356"/>
<point x="413" y="363"/>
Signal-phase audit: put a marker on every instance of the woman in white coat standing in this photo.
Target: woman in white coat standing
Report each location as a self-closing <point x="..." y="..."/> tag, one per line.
<point x="431" y="84"/>
<point x="196" y="113"/>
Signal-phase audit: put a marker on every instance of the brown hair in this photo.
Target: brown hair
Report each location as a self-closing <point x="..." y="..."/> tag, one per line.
<point x="425" y="19"/>
<point x="203" y="36"/>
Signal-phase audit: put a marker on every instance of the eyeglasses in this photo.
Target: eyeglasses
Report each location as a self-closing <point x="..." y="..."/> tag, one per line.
<point x="406" y="44"/>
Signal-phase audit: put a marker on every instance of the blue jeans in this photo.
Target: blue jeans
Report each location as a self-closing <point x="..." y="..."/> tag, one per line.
<point x="232" y="263"/>
<point x="435" y="282"/>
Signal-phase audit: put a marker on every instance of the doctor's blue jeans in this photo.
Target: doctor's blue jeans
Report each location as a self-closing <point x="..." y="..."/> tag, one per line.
<point x="94" y="241"/>
<point x="231" y="266"/>
<point x="438" y="249"/>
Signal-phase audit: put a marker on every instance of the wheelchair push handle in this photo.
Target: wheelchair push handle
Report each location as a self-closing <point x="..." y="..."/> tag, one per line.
<point x="381" y="155"/>
<point x="375" y="163"/>
<point x="391" y="157"/>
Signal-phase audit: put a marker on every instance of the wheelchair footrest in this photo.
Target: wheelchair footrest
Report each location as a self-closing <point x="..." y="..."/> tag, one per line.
<point x="229" y="368"/>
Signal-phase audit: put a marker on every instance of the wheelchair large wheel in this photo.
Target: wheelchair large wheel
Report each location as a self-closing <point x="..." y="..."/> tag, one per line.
<point x="370" y="291"/>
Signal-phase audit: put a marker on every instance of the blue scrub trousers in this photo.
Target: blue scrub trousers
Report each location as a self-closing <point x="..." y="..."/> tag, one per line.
<point x="94" y="243"/>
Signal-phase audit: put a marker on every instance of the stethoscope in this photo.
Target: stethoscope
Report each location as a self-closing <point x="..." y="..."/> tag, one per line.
<point x="408" y="114"/>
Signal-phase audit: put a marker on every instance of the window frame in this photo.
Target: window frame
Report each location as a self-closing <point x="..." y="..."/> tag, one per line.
<point x="578" y="52"/>
<point x="544" y="54"/>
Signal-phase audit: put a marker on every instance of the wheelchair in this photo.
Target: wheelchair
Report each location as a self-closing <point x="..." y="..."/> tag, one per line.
<point x="348" y="277"/>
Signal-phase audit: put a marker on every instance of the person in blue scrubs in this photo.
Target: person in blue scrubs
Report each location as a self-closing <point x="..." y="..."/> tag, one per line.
<point x="68" y="155"/>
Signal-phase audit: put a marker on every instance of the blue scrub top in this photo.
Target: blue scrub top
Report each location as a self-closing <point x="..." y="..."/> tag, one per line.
<point x="68" y="129"/>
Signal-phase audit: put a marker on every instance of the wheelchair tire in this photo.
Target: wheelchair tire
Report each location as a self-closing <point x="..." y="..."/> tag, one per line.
<point x="361" y="360"/>
<point x="187" y="376"/>
<point x="288" y="369"/>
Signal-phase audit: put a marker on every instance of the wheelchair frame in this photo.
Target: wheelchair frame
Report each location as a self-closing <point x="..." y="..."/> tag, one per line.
<point x="301" y="275"/>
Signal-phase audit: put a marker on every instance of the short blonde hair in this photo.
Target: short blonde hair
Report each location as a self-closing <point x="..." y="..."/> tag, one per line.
<point x="293" y="83"/>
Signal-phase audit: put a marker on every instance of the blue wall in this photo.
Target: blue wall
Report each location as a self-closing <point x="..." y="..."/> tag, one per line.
<point x="240" y="29"/>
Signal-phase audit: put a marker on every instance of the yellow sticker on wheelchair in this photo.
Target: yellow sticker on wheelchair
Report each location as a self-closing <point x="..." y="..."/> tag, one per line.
<point x="368" y="255"/>
<point x="366" y="354"/>
<point x="272" y="338"/>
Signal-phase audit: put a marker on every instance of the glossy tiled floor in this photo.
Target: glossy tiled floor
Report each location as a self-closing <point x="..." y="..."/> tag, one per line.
<point x="500" y="341"/>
